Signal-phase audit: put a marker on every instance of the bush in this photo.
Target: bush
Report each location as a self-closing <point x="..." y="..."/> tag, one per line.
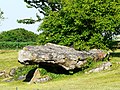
<point x="23" y="71"/>
<point x="82" y="24"/>
<point x="18" y="35"/>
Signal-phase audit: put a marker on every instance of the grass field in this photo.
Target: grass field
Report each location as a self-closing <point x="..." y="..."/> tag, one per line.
<point x="104" y="80"/>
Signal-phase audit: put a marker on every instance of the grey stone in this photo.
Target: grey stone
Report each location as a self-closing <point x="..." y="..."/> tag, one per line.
<point x="43" y="79"/>
<point x="12" y="72"/>
<point x="9" y="80"/>
<point x="22" y="77"/>
<point x="104" y="66"/>
<point x="2" y="73"/>
<point x="36" y="75"/>
<point x="63" y="56"/>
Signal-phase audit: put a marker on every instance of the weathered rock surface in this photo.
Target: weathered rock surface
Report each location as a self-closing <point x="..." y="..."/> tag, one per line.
<point x="43" y="79"/>
<point x="36" y="77"/>
<point x="4" y="74"/>
<point x="104" y="66"/>
<point x="12" y="71"/>
<point x="63" y="56"/>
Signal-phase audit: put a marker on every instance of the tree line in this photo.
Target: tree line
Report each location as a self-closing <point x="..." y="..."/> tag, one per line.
<point x="17" y="38"/>
<point x="18" y="35"/>
<point x="81" y="24"/>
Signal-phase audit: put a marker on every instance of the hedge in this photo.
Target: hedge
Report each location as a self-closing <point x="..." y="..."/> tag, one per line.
<point x="15" y="45"/>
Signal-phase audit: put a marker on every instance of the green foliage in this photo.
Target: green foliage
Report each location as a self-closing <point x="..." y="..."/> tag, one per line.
<point x="90" y="63"/>
<point x="93" y="64"/>
<point x="56" y="76"/>
<point x="44" y="72"/>
<point x="18" y="35"/>
<point x="82" y="24"/>
<point x="43" y="6"/>
<point x="27" y="21"/>
<point x="15" y="45"/>
<point x="23" y="71"/>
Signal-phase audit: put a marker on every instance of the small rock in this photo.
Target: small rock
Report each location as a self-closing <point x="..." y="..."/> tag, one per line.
<point x="2" y="73"/>
<point x="43" y="79"/>
<point x="104" y="66"/>
<point x="9" y="80"/>
<point x="12" y="72"/>
<point x="80" y="63"/>
<point x="21" y="77"/>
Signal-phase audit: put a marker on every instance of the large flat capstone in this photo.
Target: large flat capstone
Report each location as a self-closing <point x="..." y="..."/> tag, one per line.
<point x="63" y="56"/>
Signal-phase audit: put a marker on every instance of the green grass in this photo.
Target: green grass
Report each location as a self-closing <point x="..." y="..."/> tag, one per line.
<point x="104" y="80"/>
<point x="8" y="59"/>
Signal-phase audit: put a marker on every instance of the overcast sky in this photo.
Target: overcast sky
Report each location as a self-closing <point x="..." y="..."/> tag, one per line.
<point x="14" y="10"/>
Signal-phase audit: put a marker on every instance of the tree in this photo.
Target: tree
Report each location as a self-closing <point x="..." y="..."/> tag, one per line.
<point x="18" y="35"/>
<point x="82" y="24"/>
<point x="1" y="15"/>
<point x="43" y="6"/>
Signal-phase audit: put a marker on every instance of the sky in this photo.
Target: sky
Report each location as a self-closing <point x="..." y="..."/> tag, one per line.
<point x="15" y="10"/>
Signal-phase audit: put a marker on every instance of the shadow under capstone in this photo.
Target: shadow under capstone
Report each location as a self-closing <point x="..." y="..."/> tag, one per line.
<point x="30" y="75"/>
<point x="55" y="68"/>
<point x="52" y="68"/>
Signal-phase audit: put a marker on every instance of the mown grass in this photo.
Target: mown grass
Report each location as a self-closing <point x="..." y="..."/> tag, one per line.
<point x="104" y="80"/>
<point x="8" y="59"/>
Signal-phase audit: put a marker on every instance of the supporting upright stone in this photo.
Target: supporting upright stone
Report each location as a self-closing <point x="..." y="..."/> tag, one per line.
<point x="36" y="75"/>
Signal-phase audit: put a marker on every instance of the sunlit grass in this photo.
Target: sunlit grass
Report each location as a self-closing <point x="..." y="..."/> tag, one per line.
<point x="104" y="80"/>
<point x="8" y="59"/>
